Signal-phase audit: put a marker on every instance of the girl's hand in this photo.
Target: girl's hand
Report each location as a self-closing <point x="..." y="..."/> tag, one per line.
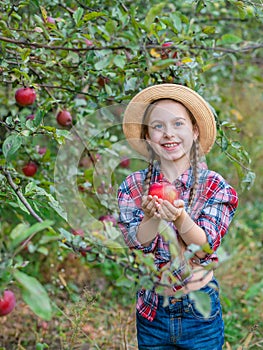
<point x="149" y="205"/>
<point x="168" y="211"/>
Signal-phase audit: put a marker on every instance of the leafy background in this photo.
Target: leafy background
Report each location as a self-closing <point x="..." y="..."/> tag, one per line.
<point x="90" y="60"/>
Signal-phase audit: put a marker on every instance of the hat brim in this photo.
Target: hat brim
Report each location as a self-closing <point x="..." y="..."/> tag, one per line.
<point x="133" y="115"/>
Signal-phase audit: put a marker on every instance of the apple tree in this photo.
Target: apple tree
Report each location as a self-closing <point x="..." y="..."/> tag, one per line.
<point x="68" y="68"/>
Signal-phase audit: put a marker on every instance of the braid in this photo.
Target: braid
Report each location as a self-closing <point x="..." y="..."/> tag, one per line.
<point x="147" y="180"/>
<point x="195" y="161"/>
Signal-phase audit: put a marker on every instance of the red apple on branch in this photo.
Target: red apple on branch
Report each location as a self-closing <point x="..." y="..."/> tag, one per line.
<point x="25" y="96"/>
<point x="64" y="118"/>
<point x="41" y="150"/>
<point x="88" y="42"/>
<point x="78" y="232"/>
<point x="30" y="168"/>
<point x="108" y="218"/>
<point x="167" y="44"/>
<point x="30" y="117"/>
<point x="51" y="20"/>
<point x="125" y="162"/>
<point x="164" y="190"/>
<point x="7" y="302"/>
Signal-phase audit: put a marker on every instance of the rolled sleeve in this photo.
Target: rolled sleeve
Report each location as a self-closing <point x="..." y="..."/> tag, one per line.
<point x="217" y="213"/>
<point x="131" y="215"/>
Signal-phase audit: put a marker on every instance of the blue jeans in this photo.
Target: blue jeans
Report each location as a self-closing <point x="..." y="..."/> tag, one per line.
<point x="181" y="326"/>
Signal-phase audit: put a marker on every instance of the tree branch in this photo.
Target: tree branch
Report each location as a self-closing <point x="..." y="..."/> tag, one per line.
<point x="20" y="194"/>
<point x="123" y="47"/>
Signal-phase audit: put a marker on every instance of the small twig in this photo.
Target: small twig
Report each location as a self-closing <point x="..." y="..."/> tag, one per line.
<point x="20" y="194"/>
<point x="87" y="7"/>
<point x="233" y="159"/>
<point x="67" y="89"/>
<point x="67" y="9"/>
<point x="6" y="126"/>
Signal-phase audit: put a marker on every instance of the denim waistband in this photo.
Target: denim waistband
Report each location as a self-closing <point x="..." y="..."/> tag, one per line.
<point x="184" y="298"/>
<point x="173" y="299"/>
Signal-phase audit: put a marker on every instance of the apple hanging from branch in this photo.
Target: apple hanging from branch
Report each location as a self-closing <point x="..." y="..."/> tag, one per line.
<point x="125" y="162"/>
<point x="108" y="218"/>
<point x="25" y="96"/>
<point x="64" y="118"/>
<point x="7" y="302"/>
<point x="30" y="168"/>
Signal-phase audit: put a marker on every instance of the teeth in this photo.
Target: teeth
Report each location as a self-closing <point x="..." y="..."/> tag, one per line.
<point x="168" y="145"/>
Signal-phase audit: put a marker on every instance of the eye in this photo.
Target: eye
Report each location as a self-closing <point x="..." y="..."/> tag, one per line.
<point x="178" y="123"/>
<point x="158" y="126"/>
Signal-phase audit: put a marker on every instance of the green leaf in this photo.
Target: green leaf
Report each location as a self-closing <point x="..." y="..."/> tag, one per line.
<point x="25" y="53"/>
<point x="224" y="143"/>
<point x="77" y="15"/>
<point x="103" y="63"/>
<point x="21" y="74"/>
<point x="43" y="250"/>
<point x="162" y="64"/>
<point x="91" y="15"/>
<point x="200" y="4"/>
<point x="22" y="231"/>
<point x="176" y="22"/>
<point x="17" y="232"/>
<point x="209" y="30"/>
<point x="236" y="144"/>
<point x="38" y="117"/>
<point x="113" y="245"/>
<point x="11" y="144"/>
<point x="229" y="39"/>
<point x="154" y="11"/>
<point x="41" y="346"/>
<point x="120" y="61"/>
<point x="124" y="282"/>
<point x="66" y="234"/>
<point x="248" y="180"/>
<point x="34" y="294"/>
<point x="202" y="302"/>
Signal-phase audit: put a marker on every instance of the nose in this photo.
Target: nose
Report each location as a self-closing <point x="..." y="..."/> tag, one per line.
<point x="168" y="132"/>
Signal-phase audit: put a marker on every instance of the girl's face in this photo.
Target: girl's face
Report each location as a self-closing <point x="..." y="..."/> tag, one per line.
<point x="170" y="131"/>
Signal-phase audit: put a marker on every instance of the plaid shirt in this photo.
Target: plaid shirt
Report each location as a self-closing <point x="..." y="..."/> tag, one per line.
<point x="213" y="209"/>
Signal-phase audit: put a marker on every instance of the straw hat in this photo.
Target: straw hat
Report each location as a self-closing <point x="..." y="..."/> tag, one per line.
<point x="200" y="109"/>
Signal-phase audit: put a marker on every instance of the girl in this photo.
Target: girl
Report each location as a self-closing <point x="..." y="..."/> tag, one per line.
<point x="174" y="127"/>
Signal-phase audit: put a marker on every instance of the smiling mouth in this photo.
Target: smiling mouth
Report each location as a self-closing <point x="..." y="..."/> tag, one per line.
<point x="170" y="145"/>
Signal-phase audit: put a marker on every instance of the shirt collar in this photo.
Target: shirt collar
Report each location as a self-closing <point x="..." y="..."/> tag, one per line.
<point x="186" y="179"/>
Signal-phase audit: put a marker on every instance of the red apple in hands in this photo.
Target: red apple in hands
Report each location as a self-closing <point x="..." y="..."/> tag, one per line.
<point x="7" y="302"/>
<point x="30" y="169"/>
<point x="25" y="96"/>
<point x="164" y="190"/>
<point x="64" y="118"/>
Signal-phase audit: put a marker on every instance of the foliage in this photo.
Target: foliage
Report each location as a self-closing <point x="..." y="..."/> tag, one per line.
<point x="90" y="60"/>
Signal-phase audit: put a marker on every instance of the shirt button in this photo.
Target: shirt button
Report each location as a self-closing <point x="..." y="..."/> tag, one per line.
<point x="174" y="300"/>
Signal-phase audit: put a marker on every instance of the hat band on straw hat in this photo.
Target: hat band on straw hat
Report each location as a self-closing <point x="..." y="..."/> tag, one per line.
<point x="200" y="109"/>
